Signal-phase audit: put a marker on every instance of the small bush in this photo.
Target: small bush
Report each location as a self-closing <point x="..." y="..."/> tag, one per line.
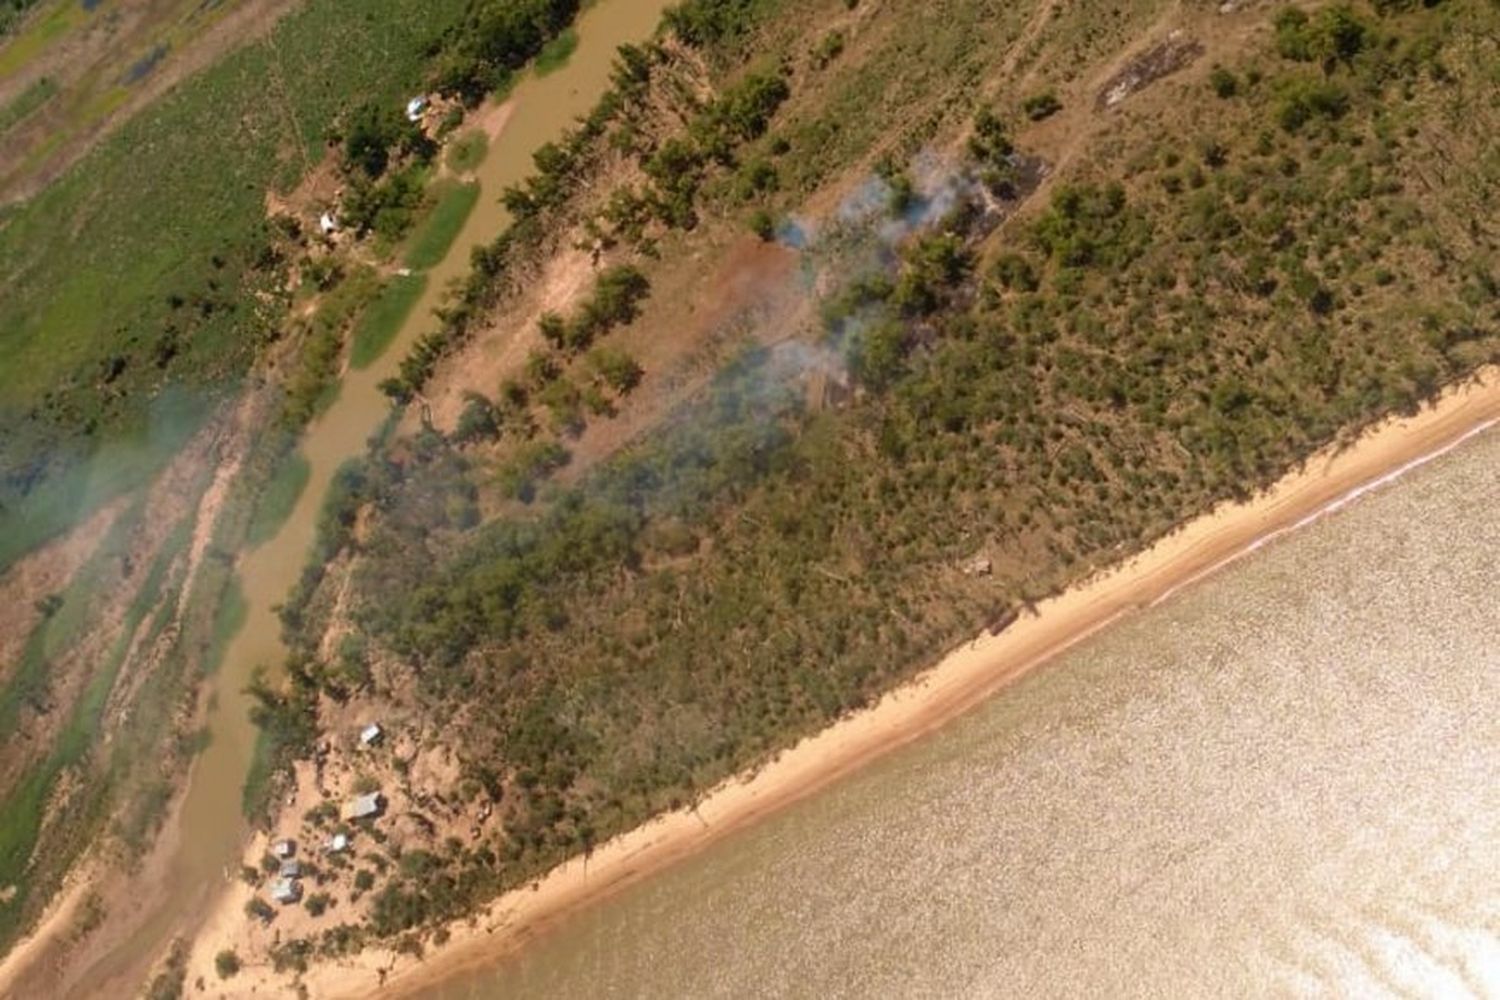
<point x="616" y="368"/>
<point x="479" y="421"/>
<point x="1224" y="83"/>
<point x="1040" y="106"/>
<point x="829" y="49"/>
<point x="532" y="462"/>
<point x="226" y="963"/>
<point x="1303" y="100"/>
<point x="762" y="225"/>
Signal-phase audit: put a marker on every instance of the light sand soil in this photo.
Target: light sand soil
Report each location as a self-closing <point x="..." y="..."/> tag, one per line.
<point x="965" y="677"/>
<point x="685" y="337"/>
<point x="492" y="118"/>
<point x="501" y="350"/>
<point x="55" y="924"/>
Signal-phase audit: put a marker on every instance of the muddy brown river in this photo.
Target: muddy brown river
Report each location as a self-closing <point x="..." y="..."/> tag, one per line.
<point x="212" y="829"/>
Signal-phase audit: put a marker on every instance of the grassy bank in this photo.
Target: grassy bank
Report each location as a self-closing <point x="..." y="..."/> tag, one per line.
<point x="383" y="318"/>
<point x="278" y="499"/>
<point x="453" y="202"/>
<point x="556" y="53"/>
<point x="467" y="151"/>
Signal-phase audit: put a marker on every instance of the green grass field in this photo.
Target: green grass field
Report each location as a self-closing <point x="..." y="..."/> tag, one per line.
<point x="382" y="319"/>
<point x="467" y="151"/>
<point x="556" y="53"/>
<point x="144" y="264"/>
<point x="436" y="233"/>
<point x="278" y="499"/>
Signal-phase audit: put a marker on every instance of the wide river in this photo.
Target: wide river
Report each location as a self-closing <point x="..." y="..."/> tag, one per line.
<point x="1284" y="780"/>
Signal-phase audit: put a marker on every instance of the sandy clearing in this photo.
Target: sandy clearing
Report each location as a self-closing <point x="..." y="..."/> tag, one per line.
<point x="1329" y="480"/>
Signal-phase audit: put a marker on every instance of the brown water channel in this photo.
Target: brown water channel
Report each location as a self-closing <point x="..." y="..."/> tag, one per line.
<point x="211" y="828"/>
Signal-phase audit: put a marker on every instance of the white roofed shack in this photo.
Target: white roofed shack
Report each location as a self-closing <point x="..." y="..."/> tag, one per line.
<point x="365" y="806"/>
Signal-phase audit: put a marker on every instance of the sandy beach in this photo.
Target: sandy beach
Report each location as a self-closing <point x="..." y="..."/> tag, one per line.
<point x="1330" y="479"/>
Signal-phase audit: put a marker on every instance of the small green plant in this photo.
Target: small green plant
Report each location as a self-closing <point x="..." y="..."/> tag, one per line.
<point x="762" y="225"/>
<point x="479" y="421"/>
<point x="1040" y="106"/>
<point x="616" y="368"/>
<point x="829" y="49"/>
<point x="1224" y="83"/>
<point x="226" y="963"/>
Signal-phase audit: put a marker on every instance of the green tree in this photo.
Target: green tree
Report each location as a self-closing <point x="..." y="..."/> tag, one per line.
<point x="479" y="421"/>
<point x="373" y="134"/>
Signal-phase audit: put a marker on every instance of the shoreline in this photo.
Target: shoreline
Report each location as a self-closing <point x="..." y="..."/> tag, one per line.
<point x="1327" y="481"/>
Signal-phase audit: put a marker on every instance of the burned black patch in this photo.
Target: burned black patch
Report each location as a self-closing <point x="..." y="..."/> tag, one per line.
<point x="1145" y="69"/>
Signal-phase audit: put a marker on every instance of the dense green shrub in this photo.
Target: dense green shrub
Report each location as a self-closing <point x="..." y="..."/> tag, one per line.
<point x="494" y="39"/>
<point x="1043" y="105"/>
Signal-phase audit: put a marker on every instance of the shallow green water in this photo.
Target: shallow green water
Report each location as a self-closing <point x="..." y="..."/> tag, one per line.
<point x="1284" y="781"/>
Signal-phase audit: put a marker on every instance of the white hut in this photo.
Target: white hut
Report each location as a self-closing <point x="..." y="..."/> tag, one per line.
<point x="365" y="806"/>
<point x="371" y="734"/>
<point x="286" y="891"/>
<point x="415" y="108"/>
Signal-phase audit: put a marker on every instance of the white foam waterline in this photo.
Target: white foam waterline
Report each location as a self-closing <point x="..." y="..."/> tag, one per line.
<point x="1333" y="506"/>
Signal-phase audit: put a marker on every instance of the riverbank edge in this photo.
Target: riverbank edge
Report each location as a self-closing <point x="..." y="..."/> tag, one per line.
<point x="1329" y="479"/>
